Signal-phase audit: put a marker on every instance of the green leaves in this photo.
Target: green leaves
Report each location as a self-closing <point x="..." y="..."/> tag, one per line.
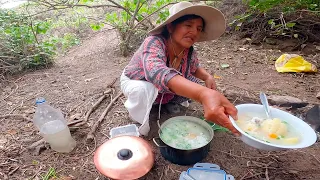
<point x="50" y="174"/>
<point x="224" y="66"/>
<point x="215" y="127"/>
<point x="290" y="25"/>
<point x="42" y="27"/>
<point x="163" y="16"/>
<point x="286" y="5"/>
<point x="96" y="27"/>
<point x="85" y="1"/>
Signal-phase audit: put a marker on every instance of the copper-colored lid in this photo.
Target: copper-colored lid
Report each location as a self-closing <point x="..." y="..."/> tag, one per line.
<point x="124" y="158"/>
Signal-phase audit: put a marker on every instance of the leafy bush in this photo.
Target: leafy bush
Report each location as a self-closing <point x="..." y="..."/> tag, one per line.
<point x="285" y="5"/>
<point x="28" y="42"/>
<point x="298" y="19"/>
<point x="134" y="19"/>
<point x="19" y="46"/>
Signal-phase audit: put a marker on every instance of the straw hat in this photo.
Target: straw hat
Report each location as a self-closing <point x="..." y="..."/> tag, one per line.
<point x="214" y="19"/>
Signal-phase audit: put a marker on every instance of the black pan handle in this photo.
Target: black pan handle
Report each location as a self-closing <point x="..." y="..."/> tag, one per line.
<point x="157" y="141"/>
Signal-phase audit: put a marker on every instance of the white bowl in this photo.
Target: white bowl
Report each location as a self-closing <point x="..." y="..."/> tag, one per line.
<point x="308" y="135"/>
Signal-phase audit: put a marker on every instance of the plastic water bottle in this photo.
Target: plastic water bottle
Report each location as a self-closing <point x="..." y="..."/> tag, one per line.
<point x="53" y="127"/>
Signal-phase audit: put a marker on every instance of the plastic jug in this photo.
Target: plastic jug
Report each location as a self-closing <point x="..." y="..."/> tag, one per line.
<point x="53" y="127"/>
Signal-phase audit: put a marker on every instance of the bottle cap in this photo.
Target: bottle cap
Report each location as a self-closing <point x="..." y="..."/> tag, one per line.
<point x="40" y="100"/>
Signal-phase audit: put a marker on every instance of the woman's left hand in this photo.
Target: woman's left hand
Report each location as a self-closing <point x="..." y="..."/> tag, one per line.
<point x="210" y="83"/>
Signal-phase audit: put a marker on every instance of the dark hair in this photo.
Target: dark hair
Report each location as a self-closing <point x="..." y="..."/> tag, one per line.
<point x="181" y="19"/>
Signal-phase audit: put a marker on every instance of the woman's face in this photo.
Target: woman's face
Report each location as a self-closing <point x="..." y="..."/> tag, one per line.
<point x="185" y="34"/>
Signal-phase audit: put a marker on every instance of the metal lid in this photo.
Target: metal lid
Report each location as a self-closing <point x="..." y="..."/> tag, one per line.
<point x="124" y="157"/>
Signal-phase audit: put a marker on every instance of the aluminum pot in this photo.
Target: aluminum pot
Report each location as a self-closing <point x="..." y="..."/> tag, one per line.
<point x="183" y="156"/>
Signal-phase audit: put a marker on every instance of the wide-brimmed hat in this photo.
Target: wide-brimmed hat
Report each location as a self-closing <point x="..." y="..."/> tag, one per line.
<point x="214" y="19"/>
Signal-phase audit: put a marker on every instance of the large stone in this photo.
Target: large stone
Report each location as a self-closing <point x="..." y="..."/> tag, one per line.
<point x="313" y="117"/>
<point x="287" y="101"/>
<point x="318" y="95"/>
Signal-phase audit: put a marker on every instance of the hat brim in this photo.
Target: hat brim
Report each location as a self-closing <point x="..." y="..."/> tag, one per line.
<point x="214" y="19"/>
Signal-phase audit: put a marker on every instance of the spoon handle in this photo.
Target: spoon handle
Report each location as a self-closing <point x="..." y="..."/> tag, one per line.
<point x="265" y="104"/>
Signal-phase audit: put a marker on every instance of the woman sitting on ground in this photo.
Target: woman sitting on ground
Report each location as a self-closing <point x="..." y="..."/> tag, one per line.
<point x="165" y="69"/>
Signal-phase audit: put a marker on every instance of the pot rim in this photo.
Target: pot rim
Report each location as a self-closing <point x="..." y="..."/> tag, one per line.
<point x="188" y="118"/>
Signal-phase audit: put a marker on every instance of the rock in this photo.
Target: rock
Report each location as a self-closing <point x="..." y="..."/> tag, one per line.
<point x="30" y="111"/>
<point x="313" y="117"/>
<point x="309" y="49"/>
<point x="39" y="149"/>
<point x="271" y="41"/>
<point x="3" y="142"/>
<point x="287" y="101"/>
<point x="246" y="41"/>
<point x="318" y="95"/>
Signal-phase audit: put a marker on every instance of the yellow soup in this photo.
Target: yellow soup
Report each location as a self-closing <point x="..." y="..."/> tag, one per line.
<point x="275" y="131"/>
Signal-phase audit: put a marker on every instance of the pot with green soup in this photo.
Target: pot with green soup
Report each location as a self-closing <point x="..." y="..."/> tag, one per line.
<point x="184" y="140"/>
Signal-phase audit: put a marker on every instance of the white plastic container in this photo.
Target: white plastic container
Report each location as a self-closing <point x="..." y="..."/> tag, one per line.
<point x="205" y="171"/>
<point x="53" y="127"/>
<point x="131" y="130"/>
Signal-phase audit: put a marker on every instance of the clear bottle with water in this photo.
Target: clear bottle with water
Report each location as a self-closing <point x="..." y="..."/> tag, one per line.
<point x="53" y="127"/>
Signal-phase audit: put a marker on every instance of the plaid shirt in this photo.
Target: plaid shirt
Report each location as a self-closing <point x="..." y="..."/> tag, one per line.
<point x="151" y="63"/>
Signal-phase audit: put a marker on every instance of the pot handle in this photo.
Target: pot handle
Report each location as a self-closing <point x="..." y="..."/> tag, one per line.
<point x="159" y="142"/>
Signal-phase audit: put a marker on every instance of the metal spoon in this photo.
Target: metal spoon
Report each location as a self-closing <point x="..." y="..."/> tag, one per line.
<point x="264" y="101"/>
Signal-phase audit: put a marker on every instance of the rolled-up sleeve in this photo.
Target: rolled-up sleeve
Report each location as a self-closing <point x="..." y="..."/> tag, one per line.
<point x="154" y="64"/>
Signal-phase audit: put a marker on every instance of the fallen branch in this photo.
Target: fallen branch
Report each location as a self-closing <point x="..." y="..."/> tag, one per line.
<point x="14" y="170"/>
<point x="94" y="148"/>
<point x="93" y="108"/>
<point x="39" y="170"/>
<point x="243" y="177"/>
<point x="110" y="86"/>
<point x="35" y="144"/>
<point x="266" y="174"/>
<point x="254" y="175"/>
<point x="74" y="122"/>
<point x="90" y="135"/>
<point x="17" y="116"/>
<point x="310" y="155"/>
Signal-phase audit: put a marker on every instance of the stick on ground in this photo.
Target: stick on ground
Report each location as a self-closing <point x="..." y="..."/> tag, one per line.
<point x="35" y="144"/>
<point x="111" y="85"/>
<point x="21" y="116"/>
<point x="90" y="135"/>
<point x="94" y="107"/>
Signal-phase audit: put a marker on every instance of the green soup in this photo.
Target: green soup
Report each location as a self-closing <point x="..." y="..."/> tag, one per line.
<point x="184" y="134"/>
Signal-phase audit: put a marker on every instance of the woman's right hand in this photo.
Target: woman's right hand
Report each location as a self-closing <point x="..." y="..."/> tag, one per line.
<point x="217" y="109"/>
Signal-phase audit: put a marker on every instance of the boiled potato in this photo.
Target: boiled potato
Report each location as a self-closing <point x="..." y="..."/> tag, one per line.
<point x="291" y="141"/>
<point x="274" y="126"/>
<point x="251" y="127"/>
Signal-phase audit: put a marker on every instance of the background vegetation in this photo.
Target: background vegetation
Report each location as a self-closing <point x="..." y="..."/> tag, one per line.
<point x="32" y="35"/>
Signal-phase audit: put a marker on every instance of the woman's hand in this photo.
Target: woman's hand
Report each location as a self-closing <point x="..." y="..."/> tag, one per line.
<point x="217" y="109"/>
<point x="202" y="74"/>
<point x="210" y="83"/>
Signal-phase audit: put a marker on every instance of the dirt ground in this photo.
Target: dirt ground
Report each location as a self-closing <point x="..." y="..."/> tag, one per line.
<point x="79" y="78"/>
